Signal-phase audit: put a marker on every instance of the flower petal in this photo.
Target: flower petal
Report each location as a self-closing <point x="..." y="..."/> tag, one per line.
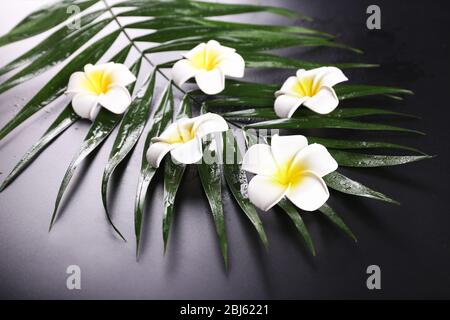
<point x="189" y="152"/>
<point x="264" y="192"/>
<point x="286" y="105"/>
<point x="323" y="102"/>
<point x="284" y="148"/>
<point x="77" y="83"/>
<point x="233" y="65"/>
<point x="169" y="135"/>
<point x="311" y="73"/>
<point x="157" y="151"/>
<point x="193" y="52"/>
<point x="287" y="87"/>
<point x="310" y="193"/>
<point x="317" y="159"/>
<point x="183" y="70"/>
<point x="98" y="67"/>
<point x="208" y="123"/>
<point x="215" y="48"/>
<point x="210" y="82"/>
<point x="83" y="104"/>
<point x="185" y="126"/>
<point x="328" y="77"/>
<point x="121" y="75"/>
<point x="259" y="160"/>
<point x="116" y="100"/>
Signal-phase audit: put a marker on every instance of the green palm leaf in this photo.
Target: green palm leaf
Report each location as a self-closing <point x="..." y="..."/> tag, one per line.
<point x="333" y="216"/>
<point x="50" y="43"/>
<point x="174" y="39"/>
<point x="239" y="43"/>
<point x="181" y="25"/>
<point x="265" y="60"/>
<point x="161" y="118"/>
<point x="243" y="89"/>
<point x="52" y="57"/>
<point x="296" y="218"/>
<point x="198" y="22"/>
<point x="173" y="174"/>
<point x="341" y="183"/>
<point x="176" y="8"/>
<point x="130" y="130"/>
<point x="62" y="122"/>
<point x="211" y="178"/>
<point x="355" y="144"/>
<point x="206" y="32"/>
<point x="172" y="178"/>
<point x="225" y="103"/>
<point x="43" y="20"/>
<point x="100" y="129"/>
<point x="56" y="86"/>
<point x="237" y="183"/>
<point x="66" y="118"/>
<point x="249" y="115"/>
<point x="325" y="123"/>
<point x="350" y="159"/>
<point x="344" y="91"/>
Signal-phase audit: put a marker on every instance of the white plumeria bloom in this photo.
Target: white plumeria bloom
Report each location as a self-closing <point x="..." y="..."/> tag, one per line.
<point x="183" y="139"/>
<point x="312" y="88"/>
<point x="102" y="85"/>
<point x="209" y="63"/>
<point x="288" y="167"/>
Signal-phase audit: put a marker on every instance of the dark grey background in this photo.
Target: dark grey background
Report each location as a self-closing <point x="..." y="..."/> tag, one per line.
<point x="410" y="243"/>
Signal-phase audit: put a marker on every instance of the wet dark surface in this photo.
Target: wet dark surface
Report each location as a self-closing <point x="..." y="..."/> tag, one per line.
<point x="410" y="243"/>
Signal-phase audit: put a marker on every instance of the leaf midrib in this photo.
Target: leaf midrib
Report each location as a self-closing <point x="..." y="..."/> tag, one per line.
<point x="143" y="55"/>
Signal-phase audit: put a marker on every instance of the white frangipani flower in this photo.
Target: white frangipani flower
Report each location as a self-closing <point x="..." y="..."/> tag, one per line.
<point x="102" y="85"/>
<point x="288" y="167"/>
<point x="209" y="63"/>
<point x="183" y="139"/>
<point x="312" y="88"/>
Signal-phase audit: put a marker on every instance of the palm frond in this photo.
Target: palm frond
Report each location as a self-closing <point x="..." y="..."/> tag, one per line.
<point x="236" y="180"/>
<point x="336" y="219"/>
<point x="180" y="25"/>
<point x="211" y="179"/>
<point x="57" y="85"/>
<point x="43" y="19"/>
<point x="130" y="129"/>
<point x="296" y="218"/>
<point x="162" y="117"/>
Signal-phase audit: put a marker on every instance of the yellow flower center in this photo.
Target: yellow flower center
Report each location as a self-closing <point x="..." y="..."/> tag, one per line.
<point x="185" y="133"/>
<point x="97" y="82"/>
<point x="289" y="173"/>
<point x="305" y="87"/>
<point x="207" y="59"/>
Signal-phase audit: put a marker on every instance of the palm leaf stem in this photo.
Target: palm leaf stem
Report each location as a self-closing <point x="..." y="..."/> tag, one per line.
<point x="144" y="56"/>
